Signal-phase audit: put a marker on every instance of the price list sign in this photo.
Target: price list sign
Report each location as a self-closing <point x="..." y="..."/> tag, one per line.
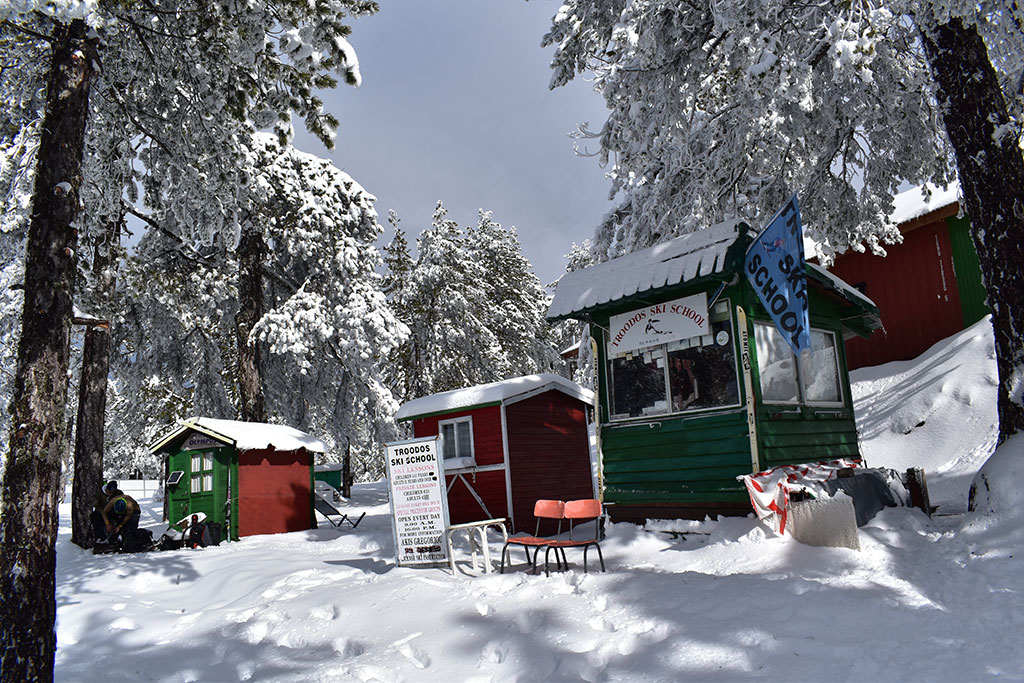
<point x="419" y="506"/>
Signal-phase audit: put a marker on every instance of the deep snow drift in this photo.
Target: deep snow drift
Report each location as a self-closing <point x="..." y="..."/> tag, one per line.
<point x="935" y="599"/>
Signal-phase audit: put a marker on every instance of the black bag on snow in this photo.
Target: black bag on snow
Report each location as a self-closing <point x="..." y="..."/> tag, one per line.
<point x="137" y="541"/>
<point x="169" y="543"/>
<point x="216" y="530"/>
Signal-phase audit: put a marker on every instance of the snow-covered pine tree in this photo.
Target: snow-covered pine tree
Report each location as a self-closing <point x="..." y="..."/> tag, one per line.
<point x="38" y="442"/>
<point x="474" y="307"/>
<point x="194" y="78"/>
<point x="398" y="265"/>
<point x="569" y="333"/>
<point x="721" y="109"/>
<point x="325" y="327"/>
<point x="514" y="299"/>
<point x="451" y="345"/>
<point x="328" y="327"/>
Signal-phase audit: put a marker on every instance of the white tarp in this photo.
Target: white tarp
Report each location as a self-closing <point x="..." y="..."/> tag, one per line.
<point x="770" y="489"/>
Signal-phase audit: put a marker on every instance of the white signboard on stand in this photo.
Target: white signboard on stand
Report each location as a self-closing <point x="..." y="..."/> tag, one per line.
<point x="419" y="504"/>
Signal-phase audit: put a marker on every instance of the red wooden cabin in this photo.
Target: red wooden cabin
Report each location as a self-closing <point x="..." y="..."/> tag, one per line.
<point x="927" y="288"/>
<point x="507" y="444"/>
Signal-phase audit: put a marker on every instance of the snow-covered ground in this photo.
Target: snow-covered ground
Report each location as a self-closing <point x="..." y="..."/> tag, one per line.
<point x="938" y="599"/>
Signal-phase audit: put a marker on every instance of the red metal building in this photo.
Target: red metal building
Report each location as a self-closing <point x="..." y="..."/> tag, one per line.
<point x="927" y="288"/>
<point x="507" y="444"/>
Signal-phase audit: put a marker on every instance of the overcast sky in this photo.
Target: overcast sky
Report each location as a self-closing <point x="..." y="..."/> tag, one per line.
<point x="455" y="106"/>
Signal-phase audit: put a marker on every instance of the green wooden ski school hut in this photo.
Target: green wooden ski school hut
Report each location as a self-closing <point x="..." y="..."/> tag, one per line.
<point x="670" y="324"/>
<point x="264" y="470"/>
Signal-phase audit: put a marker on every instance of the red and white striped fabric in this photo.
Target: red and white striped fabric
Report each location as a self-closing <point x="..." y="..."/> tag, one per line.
<point x="769" y="490"/>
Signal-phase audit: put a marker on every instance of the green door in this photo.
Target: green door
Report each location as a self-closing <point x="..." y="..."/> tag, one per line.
<point x="203" y="484"/>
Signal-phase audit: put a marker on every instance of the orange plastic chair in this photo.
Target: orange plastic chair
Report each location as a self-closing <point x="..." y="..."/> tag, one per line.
<point x="577" y="512"/>
<point x="542" y="509"/>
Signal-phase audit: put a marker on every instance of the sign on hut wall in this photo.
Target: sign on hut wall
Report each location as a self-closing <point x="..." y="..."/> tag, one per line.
<point x="419" y="506"/>
<point x="659" y="324"/>
<point x="198" y="442"/>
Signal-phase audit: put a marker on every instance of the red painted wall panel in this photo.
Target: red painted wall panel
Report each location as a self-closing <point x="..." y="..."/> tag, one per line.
<point x="915" y="289"/>
<point x="488" y="450"/>
<point x="274" y="494"/>
<point x="549" y="454"/>
<point x="489" y="486"/>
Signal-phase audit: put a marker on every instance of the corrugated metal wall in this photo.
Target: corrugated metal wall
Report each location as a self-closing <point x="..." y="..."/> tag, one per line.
<point x="915" y="288"/>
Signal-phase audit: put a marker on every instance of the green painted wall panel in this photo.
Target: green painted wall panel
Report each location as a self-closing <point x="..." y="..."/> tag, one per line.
<point x="968" y="271"/>
<point x="673" y="497"/>
<point x="183" y="502"/>
<point x="331" y="477"/>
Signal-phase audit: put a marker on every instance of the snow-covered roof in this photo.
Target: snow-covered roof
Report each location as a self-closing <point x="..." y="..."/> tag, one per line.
<point x="696" y="254"/>
<point x="506" y="391"/>
<point x="850" y="293"/>
<point x="912" y="204"/>
<point x="246" y="436"/>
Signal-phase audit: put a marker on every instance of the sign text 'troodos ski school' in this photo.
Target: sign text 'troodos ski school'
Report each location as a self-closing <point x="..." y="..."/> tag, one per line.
<point x="659" y="324"/>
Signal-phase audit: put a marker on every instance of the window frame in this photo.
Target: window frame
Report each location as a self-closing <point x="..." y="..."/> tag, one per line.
<point x="800" y="373"/>
<point x="456" y="421"/>
<point x="664" y="350"/>
<point x="201" y="479"/>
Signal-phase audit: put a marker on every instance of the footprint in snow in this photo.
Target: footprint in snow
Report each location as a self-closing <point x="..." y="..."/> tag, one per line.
<point x="493" y="652"/>
<point x="527" y="622"/>
<point x="346" y="647"/>
<point x="123" y="624"/>
<point x="415" y="655"/>
<point x="325" y="612"/>
<point x="256" y="632"/>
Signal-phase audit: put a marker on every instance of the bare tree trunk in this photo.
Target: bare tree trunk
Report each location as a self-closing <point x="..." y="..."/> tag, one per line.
<point x="346" y="471"/>
<point x="28" y="512"/>
<point x="251" y="250"/>
<point x="991" y="170"/>
<point x="92" y="402"/>
<point x="92" y="389"/>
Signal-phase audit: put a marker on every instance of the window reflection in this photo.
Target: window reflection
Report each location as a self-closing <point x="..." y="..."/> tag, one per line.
<point x="684" y="375"/>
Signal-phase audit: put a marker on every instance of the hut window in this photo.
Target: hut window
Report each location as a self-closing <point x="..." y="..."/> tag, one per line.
<point x="638" y="383"/>
<point x="202" y="472"/>
<point x="820" y="370"/>
<point x="457" y="441"/>
<point x="813" y="379"/>
<point x="698" y="373"/>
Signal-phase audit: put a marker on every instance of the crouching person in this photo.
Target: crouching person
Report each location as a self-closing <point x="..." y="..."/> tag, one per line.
<point x="99" y="531"/>
<point x="121" y="516"/>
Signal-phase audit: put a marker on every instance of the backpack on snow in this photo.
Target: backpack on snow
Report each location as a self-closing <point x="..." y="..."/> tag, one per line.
<point x="137" y="541"/>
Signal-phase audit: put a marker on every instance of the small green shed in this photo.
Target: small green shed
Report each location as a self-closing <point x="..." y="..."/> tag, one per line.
<point x="264" y="470"/>
<point x="670" y="325"/>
